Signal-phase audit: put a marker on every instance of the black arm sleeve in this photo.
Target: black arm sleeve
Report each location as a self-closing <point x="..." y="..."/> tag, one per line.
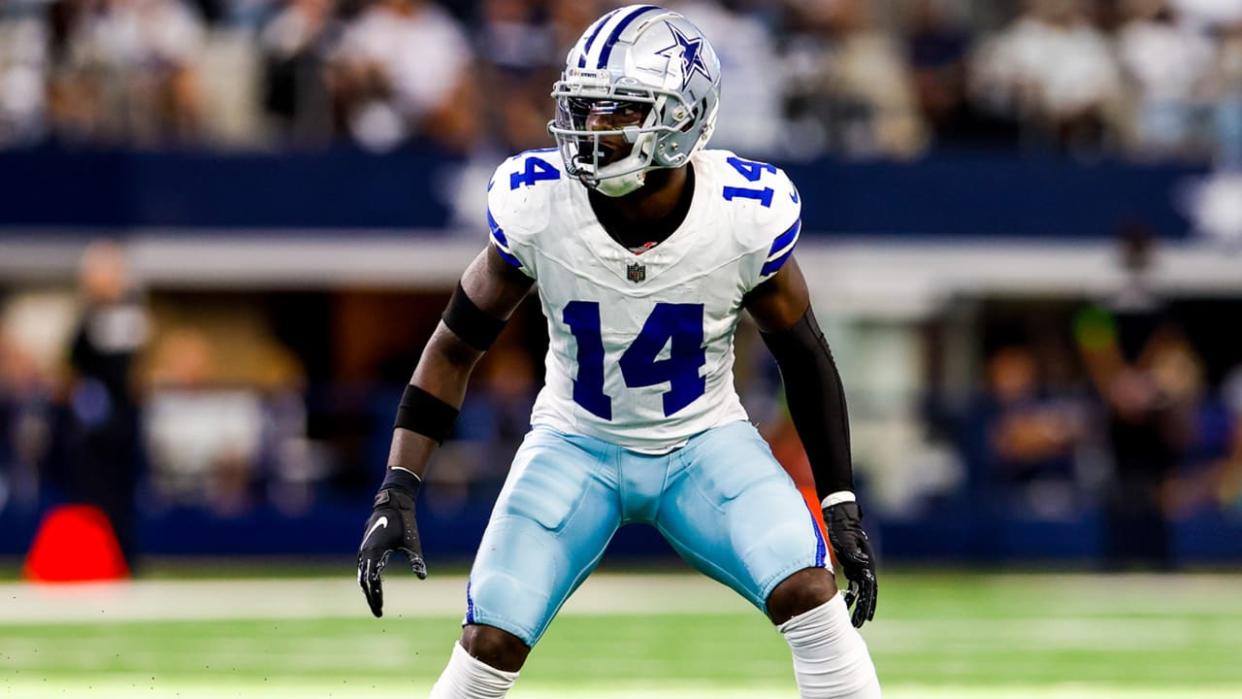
<point x="816" y="401"/>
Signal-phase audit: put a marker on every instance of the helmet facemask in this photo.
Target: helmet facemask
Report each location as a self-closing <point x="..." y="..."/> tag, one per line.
<point x="608" y="132"/>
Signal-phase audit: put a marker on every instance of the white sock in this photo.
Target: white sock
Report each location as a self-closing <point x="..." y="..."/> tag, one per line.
<point x="829" y="656"/>
<point x="467" y="677"/>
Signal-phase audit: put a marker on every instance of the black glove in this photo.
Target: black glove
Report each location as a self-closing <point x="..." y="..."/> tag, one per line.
<point x="391" y="527"/>
<point x="853" y="550"/>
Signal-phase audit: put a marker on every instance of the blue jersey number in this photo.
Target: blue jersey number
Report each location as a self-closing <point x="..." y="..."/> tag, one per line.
<point x="752" y="170"/>
<point x="676" y="325"/>
<point x="582" y="317"/>
<point x="536" y="169"/>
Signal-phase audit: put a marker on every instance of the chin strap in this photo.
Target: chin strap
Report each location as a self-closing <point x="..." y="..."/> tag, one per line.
<point x="621" y="185"/>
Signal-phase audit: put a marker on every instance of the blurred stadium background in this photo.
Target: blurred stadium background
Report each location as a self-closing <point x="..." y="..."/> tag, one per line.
<point x="227" y="227"/>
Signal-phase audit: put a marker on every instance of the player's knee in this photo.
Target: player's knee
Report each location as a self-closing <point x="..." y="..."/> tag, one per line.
<point x="801" y="592"/>
<point x="495" y="647"/>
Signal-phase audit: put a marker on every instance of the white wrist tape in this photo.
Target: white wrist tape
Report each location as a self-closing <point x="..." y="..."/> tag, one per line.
<point x="402" y="468"/>
<point x="837" y="498"/>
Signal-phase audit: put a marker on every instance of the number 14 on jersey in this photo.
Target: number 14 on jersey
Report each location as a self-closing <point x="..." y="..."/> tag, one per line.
<point x="679" y="326"/>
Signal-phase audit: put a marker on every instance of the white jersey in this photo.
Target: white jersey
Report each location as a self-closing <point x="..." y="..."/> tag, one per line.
<point x="640" y="347"/>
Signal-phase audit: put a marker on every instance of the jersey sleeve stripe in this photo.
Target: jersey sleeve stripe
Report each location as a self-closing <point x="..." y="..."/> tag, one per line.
<point x="508" y="257"/>
<point x="497" y="233"/>
<point x="772" y="265"/>
<point x="785" y="239"/>
<point x="501" y="242"/>
<point x="781" y="252"/>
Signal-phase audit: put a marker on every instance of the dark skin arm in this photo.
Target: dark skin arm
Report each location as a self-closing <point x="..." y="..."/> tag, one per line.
<point x="776" y="305"/>
<point x="447" y="362"/>
<point x="781" y="307"/>
<point x="443" y="371"/>
<point x="812" y="382"/>
<point x="779" y="302"/>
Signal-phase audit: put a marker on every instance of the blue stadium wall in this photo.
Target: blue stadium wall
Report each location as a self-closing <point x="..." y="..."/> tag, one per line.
<point x="946" y="195"/>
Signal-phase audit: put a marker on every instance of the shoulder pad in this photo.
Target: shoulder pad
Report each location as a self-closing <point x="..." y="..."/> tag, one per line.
<point x="763" y="200"/>
<point x="519" y="191"/>
<point x="519" y="198"/>
<point x="779" y="225"/>
<point x="766" y="210"/>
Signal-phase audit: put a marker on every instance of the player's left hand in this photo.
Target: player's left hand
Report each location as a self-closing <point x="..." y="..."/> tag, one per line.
<point x="390" y="528"/>
<point x="853" y="551"/>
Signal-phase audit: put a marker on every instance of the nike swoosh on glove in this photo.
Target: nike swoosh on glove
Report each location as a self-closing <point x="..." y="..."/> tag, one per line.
<point x="390" y="528"/>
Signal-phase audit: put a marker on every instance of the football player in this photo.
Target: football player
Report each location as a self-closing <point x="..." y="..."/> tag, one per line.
<point x="645" y="247"/>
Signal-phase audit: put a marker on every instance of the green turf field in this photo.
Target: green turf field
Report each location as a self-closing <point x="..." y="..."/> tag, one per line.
<point x="662" y="636"/>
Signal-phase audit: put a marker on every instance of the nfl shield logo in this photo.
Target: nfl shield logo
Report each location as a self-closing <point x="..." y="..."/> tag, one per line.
<point x="636" y="272"/>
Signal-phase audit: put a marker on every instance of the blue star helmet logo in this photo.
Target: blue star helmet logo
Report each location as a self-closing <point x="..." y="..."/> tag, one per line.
<point x="691" y="55"/>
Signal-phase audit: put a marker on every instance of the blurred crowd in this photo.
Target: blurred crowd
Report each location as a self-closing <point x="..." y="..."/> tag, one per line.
<point x="1111" y="405"/>
<point x="1144" y="439"/>
<point x="1148" y="78"/>
<point x="106" y="401"/>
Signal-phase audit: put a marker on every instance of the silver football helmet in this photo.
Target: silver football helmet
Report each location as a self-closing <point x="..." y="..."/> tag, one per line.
<point x="652" y="65"/>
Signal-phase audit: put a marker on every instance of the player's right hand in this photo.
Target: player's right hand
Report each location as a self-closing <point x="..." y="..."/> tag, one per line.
<point x="390" y="528"/>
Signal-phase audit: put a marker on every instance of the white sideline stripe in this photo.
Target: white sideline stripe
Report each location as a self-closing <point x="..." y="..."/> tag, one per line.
<point x="1075" y="616"/>
<point x="122" y="687"/>
<point x="318" y="598"/>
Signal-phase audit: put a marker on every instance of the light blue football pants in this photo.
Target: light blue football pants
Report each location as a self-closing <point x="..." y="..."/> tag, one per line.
<point x="722" y="501"/>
